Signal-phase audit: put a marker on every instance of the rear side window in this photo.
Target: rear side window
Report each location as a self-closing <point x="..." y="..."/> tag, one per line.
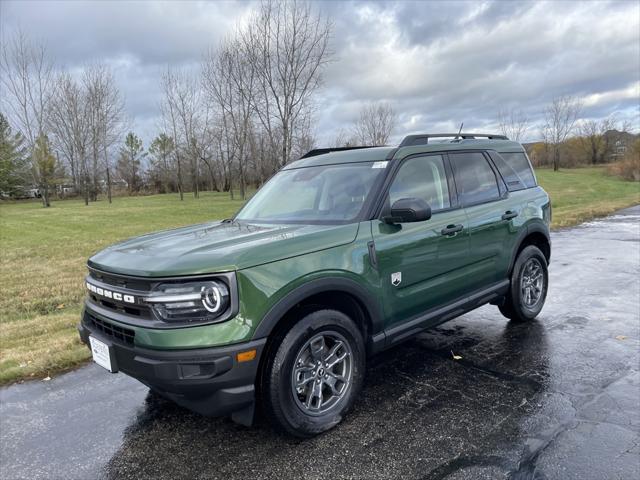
<point x="475" y="180"/>
<point x="515" y="169"/>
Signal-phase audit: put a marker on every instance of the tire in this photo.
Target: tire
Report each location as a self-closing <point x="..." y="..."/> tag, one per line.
<point x="302" y="412"/>
<point x="520" y="306"/>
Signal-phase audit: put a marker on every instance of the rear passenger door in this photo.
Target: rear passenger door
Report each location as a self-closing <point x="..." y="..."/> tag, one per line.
<point x="484" y="196"/>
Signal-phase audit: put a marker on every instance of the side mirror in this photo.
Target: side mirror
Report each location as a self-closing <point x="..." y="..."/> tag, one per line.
<point x="409" y="210"/>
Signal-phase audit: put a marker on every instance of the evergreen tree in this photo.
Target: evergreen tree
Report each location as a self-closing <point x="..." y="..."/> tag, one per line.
<point x="129" y="162"/>
<point x="14" y="169"/>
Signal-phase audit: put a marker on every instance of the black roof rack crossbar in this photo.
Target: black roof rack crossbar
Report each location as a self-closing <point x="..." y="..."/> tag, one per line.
<point x="423" y="138"/>
<point x="322" y="151"/>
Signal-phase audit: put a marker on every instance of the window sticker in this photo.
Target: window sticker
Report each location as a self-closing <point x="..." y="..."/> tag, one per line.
<point x="379" y="164"/>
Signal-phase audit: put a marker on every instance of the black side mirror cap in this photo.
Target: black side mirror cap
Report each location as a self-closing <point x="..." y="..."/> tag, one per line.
<point x="408" y="210"/>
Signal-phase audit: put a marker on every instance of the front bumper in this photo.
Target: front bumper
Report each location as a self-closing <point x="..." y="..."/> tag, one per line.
<point x="209" y="381"/>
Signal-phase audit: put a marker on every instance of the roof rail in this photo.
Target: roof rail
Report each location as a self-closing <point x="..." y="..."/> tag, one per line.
<point x="423" y="138"/>
<point x="322" y="151"/>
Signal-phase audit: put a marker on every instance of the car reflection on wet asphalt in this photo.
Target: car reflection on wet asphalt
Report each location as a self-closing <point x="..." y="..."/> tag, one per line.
<point x="557" y="398"/>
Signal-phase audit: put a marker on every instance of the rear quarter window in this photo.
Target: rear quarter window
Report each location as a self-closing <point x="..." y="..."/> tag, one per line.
<point x="515" y="169"/>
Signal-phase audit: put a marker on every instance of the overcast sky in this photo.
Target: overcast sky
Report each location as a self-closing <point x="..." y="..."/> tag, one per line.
<point x="437" y="63"/>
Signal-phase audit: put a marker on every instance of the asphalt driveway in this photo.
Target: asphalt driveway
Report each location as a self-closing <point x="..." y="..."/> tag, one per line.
<point x="557" y="398"/>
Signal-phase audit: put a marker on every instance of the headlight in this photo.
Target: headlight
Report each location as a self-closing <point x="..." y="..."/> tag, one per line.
<point x="190" y="302"/>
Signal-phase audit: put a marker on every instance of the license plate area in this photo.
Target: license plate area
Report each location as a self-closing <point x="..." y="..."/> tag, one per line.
<point x="101" y="353"/>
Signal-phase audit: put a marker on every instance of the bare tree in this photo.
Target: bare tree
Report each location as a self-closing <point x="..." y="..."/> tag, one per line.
<point x="26" y="75"/>
<point x="171" y="120"/>
<point x="513" y="123"/>
<point x="186" y="118"/>
<point x="593" y="138"/>
<point x="229" y="78"/>
<point x="560" y="120"/>
<point x="375" y="124"/>
<point x="69" y="124"/>
<point x="105" y="116"/>
<point x="289" y="45"/>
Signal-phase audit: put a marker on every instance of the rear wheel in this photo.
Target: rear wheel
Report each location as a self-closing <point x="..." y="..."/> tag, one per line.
<point x="314" y="376"/>
<point x="529" y="284"/>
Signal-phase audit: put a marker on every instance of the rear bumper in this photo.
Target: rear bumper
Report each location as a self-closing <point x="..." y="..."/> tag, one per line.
<point x="209" y="381"/>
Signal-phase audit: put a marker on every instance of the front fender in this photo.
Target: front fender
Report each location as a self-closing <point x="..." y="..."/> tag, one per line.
<point x="329" y="282"/>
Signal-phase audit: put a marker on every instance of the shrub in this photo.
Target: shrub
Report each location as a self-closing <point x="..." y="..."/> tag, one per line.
<point x="629" y="167"/>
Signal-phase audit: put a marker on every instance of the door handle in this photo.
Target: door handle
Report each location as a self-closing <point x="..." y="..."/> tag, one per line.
<point x="451" y="230"/>
<point x="509" y="214"/>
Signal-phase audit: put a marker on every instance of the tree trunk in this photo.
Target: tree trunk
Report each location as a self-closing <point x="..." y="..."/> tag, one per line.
<point x="45" y="197"/>
<point x="556" y="158"/>
<point x="108" y="185"/>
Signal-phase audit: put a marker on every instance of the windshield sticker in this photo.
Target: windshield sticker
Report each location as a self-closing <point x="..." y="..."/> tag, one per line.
<point x="379" y="165"/>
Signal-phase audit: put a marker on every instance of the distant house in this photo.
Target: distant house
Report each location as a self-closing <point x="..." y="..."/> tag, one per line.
<point x="66" y="190"/>
<point x="619" y="143"/>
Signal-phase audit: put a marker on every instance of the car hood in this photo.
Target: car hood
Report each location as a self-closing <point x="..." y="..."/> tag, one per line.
<point x="217" y="247"/>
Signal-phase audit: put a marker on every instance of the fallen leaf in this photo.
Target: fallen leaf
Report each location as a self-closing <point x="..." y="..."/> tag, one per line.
<point x="455" y="357"/>
<point x="60" y="307"/>
<point x="621" y="337"/>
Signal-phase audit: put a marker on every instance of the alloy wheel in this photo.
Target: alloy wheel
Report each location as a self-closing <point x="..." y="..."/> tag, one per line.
<point x="322" y="373"/>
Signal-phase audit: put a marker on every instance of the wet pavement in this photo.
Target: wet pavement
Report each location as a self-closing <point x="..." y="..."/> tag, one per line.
<point x="557" y="398"/>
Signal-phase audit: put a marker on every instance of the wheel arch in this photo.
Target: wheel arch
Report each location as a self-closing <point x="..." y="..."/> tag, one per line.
<point x="534" y="233"/>
<point x="339" y="293"/>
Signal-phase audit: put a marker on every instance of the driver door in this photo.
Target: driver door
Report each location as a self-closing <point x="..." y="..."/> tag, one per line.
<point x="421" y="266"/>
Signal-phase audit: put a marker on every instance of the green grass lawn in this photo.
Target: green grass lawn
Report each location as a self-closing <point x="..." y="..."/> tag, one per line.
<point x="580" y="194"/>
<point x="42" y="266"/>
<point x="44" y="251"/>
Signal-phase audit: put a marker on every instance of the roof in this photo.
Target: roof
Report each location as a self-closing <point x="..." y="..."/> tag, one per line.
<point x="376" y="154"/>
<point x="503" y="146"/>
<point x="373" y="154"/>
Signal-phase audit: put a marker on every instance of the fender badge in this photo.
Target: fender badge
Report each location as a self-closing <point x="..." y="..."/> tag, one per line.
<point x="396" y="278"/>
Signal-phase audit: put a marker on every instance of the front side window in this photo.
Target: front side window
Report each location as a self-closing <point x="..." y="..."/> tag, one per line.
<point x="475" y="180"/>
<point x="320" y="194"/>
<point x="422" y="177"/>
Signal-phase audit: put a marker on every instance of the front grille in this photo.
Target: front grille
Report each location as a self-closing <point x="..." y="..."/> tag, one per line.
<point x="129" y="283"/>
<point x="136" y="287"/>
<point x="141" y="311"/>
<point x="125" y="335"/>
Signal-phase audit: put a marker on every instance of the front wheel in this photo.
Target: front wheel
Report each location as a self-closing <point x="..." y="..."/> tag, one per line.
<point x="529" y="284"/>
<point x="314" y="376"/>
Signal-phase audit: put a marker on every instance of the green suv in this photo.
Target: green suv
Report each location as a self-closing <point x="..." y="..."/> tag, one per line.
<point x="342" y="254"/>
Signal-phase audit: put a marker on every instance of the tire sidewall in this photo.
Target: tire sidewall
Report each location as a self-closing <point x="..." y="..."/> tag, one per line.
<point x="288" y="414"/>
<point x="519" y="308"/>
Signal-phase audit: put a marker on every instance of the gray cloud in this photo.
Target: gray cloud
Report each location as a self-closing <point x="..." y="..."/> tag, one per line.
<point x="437" y="63"/>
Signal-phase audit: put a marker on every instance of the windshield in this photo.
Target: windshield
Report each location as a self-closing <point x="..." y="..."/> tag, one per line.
<point x="322" y="194"/>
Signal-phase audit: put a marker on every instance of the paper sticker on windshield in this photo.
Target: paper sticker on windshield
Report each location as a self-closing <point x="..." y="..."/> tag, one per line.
<point x="379" y="165"/>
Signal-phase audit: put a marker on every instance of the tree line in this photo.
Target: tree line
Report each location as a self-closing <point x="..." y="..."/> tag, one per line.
<point x="567" y="140"/>
<point x="245" y="111"/>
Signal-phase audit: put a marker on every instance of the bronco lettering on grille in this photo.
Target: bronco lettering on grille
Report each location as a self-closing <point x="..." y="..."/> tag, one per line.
<point x="103" y="292"/>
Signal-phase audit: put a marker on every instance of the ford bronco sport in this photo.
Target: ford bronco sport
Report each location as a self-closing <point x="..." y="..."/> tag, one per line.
<point x="342" y="254"/>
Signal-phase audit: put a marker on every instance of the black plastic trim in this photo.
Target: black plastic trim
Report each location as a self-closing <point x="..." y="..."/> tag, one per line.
<point x="438" y="315"/>
<point x="368" y="302"/>
<point x="528" y="229"/>
<point x="423" y="138"/>
<point x="321" y="151"/>
<point x="221" y="385"/>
